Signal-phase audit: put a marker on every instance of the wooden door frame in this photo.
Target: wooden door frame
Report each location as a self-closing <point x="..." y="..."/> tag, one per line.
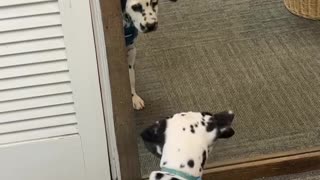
<point x="115" y="89"/>
<point x="276" y="164"/>
<point x="262" y="166"/>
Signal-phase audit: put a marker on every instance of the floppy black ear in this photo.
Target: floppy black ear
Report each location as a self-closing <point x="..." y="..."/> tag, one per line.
<point x="155" y="133"/>
<point x="154" y="137"/>
<point x="224" y="118"/>
<point x="123" y="5"/>
<point x="226" y="133"/>
<point x="223" y="121"/>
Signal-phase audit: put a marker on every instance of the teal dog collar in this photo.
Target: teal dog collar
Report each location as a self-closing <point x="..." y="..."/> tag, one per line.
<point x="181" y="174"/>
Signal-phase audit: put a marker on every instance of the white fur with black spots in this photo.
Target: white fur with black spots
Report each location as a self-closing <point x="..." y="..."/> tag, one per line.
<point x="142" y="16"/>
<point x="183" y="142"/>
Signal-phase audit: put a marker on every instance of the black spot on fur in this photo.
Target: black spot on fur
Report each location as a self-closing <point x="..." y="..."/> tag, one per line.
<point x="143" y="14"/>
<point x="174" y="178"/>
<point x="200" y="169"/>
<point x="206" y="114"/>
<point x="150" y="13"/>
<point x="164" y="163"/>
<point x="182" y="165"/>
<point x="196" y="125"/>
<point x="145" y="18"/>
<point x="202" y="123"/>
<point x="147" y="4"/>
<point x="192" y="129"/>
<point x="183" y="114"/>
<point x="159" y="176"/>
<point x="191" y="163"/>
<point x="130" y="66"/>
<point x="204" y="158"/>
<point x="183" y="129"/>
<point x="137" y="8"/>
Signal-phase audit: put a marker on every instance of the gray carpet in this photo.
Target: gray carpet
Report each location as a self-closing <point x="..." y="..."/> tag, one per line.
<point x="251" y="56"/>
<point x="312" y="175"/>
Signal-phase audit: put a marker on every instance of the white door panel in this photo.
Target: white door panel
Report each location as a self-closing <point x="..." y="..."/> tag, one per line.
<point x="51" y="159"/>
<point x="51" y="118"/>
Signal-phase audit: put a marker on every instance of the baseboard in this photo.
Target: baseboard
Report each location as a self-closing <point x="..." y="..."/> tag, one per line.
<point x="277" y="164"/>
<point x="298" y="162"/>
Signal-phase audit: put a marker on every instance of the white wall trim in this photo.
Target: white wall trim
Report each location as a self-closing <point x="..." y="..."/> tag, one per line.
<point x="105" y="87"/>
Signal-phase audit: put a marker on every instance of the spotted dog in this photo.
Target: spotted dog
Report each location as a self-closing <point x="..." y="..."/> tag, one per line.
<point x="184" y="141"/>
<point x="138" y="16"/>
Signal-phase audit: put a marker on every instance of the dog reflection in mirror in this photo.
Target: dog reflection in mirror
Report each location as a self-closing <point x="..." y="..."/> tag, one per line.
<point x="138" y="16"/>
<point x="184" y="141"/>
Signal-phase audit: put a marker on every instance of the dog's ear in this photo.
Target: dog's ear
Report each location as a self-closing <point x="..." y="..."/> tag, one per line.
<point x="123" y="5"/>
<point x="223" y="122"/>
<point x="155" y="133"/>
<point x="154" y="137"/>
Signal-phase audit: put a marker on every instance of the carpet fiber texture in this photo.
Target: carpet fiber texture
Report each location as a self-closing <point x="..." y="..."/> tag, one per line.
<point x="250" y="56"/>
<point x="312" y="175"/>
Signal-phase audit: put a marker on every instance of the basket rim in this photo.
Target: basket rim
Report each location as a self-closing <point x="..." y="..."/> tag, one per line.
<point x="296" y="11"/>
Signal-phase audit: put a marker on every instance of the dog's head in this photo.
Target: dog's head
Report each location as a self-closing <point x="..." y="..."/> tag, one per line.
<point x="184" y="140"/>
<point x="143" y="13"/>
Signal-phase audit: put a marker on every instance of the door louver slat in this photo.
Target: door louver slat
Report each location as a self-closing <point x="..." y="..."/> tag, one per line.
<point x="29" y="10"/>
<point x="36" y="98"/>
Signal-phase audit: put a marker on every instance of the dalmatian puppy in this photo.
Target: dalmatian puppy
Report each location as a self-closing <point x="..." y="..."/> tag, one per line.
<point x="138" y="16"/>
<point x="184" y="141"/>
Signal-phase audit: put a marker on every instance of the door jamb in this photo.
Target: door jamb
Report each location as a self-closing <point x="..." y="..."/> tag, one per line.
<point x="115" y="89"/>
<point x="263" y="166"/>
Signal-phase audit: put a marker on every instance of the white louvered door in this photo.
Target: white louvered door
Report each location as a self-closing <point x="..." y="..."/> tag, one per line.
<point x="49" y="92"/>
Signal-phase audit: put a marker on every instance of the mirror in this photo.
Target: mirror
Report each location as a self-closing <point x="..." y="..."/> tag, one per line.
<point x="253" y="57"/>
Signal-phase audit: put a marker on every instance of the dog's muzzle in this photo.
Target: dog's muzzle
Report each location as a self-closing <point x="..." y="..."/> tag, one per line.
<point x="149" y="27"/>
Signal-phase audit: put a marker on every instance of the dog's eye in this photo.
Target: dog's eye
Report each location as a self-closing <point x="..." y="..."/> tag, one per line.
<point x="137" y="8"/>
<point x="154" y="4"/>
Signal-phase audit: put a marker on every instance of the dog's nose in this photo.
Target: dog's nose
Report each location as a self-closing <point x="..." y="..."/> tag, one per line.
<point x="152" y="26"/>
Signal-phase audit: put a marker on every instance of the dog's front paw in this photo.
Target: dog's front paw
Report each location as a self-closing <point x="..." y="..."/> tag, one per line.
<point x="137" y="102"/>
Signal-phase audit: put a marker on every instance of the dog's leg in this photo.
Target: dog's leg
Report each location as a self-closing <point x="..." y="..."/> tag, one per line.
<point x="137" y="102"/>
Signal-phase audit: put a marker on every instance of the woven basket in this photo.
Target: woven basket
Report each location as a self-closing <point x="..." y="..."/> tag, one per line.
<point x="305" y="8"/>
